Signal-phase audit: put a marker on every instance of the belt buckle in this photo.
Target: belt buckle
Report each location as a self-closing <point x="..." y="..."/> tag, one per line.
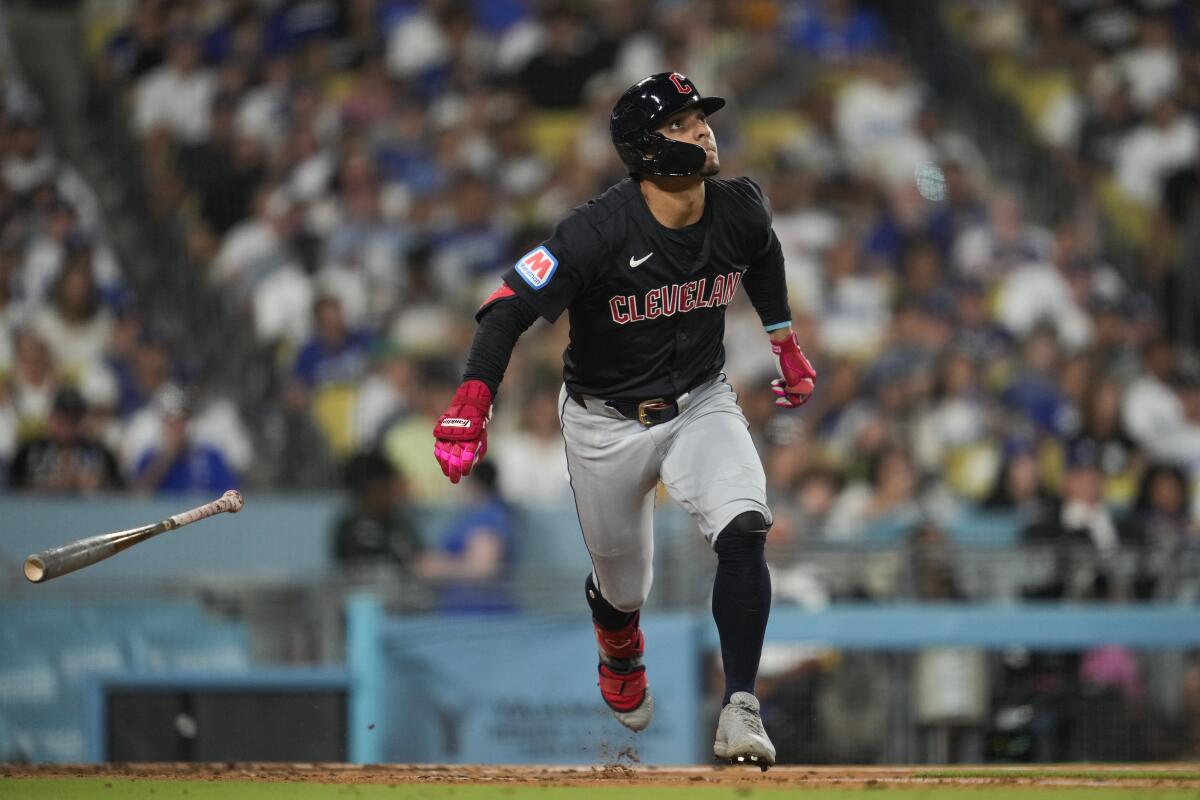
<point x="642" y="409"/>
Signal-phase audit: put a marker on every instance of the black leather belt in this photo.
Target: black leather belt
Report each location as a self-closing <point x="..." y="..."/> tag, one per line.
<point x="654" y="411"/>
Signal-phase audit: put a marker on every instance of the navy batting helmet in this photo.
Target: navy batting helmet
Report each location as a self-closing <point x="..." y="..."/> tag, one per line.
<point x="643" y="109"/>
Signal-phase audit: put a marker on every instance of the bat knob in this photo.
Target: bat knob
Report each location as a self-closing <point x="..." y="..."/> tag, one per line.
<point x="234" y="500"/>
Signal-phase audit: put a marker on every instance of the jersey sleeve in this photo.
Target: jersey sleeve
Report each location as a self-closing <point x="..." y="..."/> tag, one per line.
<point x="552" y="274"/>
<point x="765" y="281"/>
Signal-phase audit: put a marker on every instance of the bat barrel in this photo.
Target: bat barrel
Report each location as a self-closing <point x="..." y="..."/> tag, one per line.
<point x="58" y="561"/>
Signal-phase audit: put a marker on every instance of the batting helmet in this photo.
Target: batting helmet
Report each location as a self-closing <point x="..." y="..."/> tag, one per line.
<point x="643" y="109"/>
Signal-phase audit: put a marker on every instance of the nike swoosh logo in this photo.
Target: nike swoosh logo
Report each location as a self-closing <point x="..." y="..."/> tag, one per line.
<point x="637" y="262"/>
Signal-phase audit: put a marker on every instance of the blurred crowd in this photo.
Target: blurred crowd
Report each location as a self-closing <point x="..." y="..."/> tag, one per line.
<point x="86" y="399"/>
<point x="354" y="176"/>
<point x="1113" y="88"/>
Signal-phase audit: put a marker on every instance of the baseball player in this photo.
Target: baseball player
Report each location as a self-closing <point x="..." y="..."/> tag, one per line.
<point x="646" y="271"/>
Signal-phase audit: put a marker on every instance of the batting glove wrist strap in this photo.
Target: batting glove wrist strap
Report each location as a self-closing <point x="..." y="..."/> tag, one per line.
<point x="461" y="432"/>
<point x="798" y="378"/>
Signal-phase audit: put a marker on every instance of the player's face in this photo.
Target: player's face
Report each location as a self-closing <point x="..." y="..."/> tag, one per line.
<point x="691" y="126"/>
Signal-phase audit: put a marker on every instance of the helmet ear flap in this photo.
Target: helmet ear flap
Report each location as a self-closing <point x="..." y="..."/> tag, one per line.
<point x="648" y="144"/>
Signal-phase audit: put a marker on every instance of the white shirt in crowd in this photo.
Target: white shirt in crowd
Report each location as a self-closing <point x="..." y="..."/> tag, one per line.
<point x="805" y="234"/>
<point x="871" y="118"/>
<point x="1149" y="153"/>
<point x="1037" y="292"/>
<point x="856" y="316"/>
<point x="74" y="346"/>
<point x="520" y="455"/>
<point x="1155" y="417"/>
<point x="179" y="102"/>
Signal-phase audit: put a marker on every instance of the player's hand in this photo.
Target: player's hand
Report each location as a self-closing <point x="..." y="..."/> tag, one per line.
<point x="461" y="433"/>
<point x="798" y="377"/>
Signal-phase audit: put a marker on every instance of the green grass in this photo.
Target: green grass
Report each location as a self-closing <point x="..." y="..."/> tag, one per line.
<point x="94" y="788"/>
<point x="1065" y="774"/>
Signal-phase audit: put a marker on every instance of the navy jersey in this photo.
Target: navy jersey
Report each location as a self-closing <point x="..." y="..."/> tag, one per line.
<point x="646" y="302"/>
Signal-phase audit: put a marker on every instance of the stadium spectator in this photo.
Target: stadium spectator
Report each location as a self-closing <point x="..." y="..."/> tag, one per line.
<point x="570" y="55"/>
<point x="1113" y="342"/>
<point x="472" y="565"/>
<point x="1080" y="528"/>
<point x="875" y="116"/>
<point x="46" y="251"/>
<point x="179" y="461"/>
<point x="834" y="30"/>
<point x="29" y="162"/>
<point x="335" y="353"/>
<point x="138" y="47"/>
<point x="360" y="259"/>
<point x="531" y="460"/>
<point x="888" y="499"/>
<point x="261" y="115"/>
<point x="992" y="247"/>
<point x="32" y="383"/>
<point x="1104" y="127"/>
<point x="1120" y="458"/>
<point x="225" y="169"/>
<point x="66" y="459"/>
<point x="406" y="440"/>
<point x="386" y="395"/>
<point x="1169" y="140"/>
<point x="1154" y="410"/>
<point x="377" y="526"/>
<point x="141" y="361"/>
<point x="1161" y="521"/>
<point x="475" y="242"/>
<point x="177" y="96"/>
<point x="1034" y="393"/>
<point x="427" y="45"/>
<point x="1152" y="68"/>
<point x="1162" y="510"/>
<point x="257" y="245"/>
<point x="957" y="415"/>
<point x="259" y="263"/>
<point x="1018" y="487"/>
<point x="76" y="327"/>
<point x="819" y="150"/>
<point x="804" y="511"/>
<point x="855" y="314"/>
<point x="931" y="565"/>
<point x="1038" y="293"/>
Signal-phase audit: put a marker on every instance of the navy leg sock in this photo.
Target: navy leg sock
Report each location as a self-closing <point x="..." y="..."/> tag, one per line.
<point x="741" y="600"/>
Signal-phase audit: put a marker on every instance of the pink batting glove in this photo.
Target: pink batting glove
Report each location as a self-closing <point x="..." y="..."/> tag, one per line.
<point x="798" y="379"/>
<point x="461" y="433"/>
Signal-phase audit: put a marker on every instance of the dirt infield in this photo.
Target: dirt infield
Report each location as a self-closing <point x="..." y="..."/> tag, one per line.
<point x="620" y="774"/>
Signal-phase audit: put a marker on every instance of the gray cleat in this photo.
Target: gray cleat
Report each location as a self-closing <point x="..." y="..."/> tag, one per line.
<point x="741" y="738"/>
<point x="640" y="717"/>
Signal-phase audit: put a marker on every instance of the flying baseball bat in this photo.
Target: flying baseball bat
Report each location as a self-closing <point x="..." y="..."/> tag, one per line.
<point x="58" y="561"/>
